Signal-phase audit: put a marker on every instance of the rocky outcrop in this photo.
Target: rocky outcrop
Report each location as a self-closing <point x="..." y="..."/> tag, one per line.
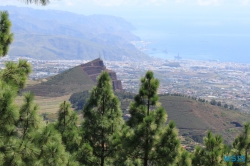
<point x="94" y="69"/>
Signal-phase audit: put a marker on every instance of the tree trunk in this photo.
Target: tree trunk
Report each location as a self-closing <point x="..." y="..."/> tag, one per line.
<point x="145" y="161"/>
<point x="102" y="157"/>
<point x="246" y="156"/>
<point x="146" y="146"/>
<point x="102" y="161"/>
<point x="146" y="154"/>
<point x="103" y="150"/>
<point x="64" y="116"/>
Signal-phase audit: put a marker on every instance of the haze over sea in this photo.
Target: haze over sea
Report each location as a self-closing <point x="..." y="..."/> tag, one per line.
<point x="194" y="39"/>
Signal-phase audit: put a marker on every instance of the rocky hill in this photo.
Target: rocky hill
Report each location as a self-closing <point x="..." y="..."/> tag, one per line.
<point x="40" y="34"/>
<point x="94" y="69"/>
<point x="67" y="82"/>
<point x="77" y="79"/>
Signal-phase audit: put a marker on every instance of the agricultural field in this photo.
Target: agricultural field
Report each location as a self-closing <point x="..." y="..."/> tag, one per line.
<point x="48" y="106"/>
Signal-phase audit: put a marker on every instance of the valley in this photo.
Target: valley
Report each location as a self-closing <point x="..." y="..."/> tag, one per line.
<point x="226" y="82"/>
<point x="193" y="117"/>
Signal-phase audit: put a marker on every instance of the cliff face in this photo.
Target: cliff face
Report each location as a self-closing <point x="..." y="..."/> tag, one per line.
<point x="94" y="69"/>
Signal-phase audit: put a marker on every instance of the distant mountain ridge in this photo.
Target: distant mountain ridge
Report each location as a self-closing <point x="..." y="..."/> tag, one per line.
<point x="52" y="34"/>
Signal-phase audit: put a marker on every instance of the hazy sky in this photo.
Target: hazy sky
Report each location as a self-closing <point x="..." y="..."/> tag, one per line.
<point x="128" y="8"/>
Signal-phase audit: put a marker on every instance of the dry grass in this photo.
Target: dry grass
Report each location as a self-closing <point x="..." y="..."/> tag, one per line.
<point x="47" y="105"/>
<point x="32" y="82"/>
<point x="220" y="86"/>
<point x="195" y="117"/>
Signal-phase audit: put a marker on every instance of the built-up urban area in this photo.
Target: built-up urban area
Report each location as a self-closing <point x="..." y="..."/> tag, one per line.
<point x="226" y="82"/>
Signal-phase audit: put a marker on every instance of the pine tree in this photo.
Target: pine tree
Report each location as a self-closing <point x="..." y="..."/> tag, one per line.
<point x="42" y="2"/>
<point x="214" y="149"/>
<point x="8" y="111"/>
<point x="102" y="119"/>
<point x="241" y="145"/>
<point x="16" y="74"/>
<point x="168" y="149"/>
<point x="212" y="154"/>
<point x="29" y="123"/>
<point x="12" y="78"/>
<point x="52" y="151"/>
<point x="184" y="159"/>
<point x="156" y="141"/>
<point x="13" y="151"/>
<point x="8" y="131"/>
<point x="227" y="151"/>
<point x="9" y="151"/>
<point x="84" y="154"/>
<point x="125" y="155"/>
<point x="6" y="37"/>
<point x="10" y="144"/>
<point x="198" y="157"/>
<point x="67" y="125"/>
<point x="29" y="120"/>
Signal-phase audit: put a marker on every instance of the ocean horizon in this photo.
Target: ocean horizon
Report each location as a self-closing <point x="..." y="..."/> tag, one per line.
<point x="225" y="42"/>
<point x="222" y="47"/>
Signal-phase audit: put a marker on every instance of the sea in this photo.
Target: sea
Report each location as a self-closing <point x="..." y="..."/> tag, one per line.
<point x="200" y="43"/>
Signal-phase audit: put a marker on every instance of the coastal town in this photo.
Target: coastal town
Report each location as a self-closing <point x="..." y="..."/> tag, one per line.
<point x="226" y="82"/>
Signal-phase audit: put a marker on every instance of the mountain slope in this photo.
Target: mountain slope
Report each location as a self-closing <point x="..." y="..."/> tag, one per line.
<point x="192" y="118"/>
<point x="195" y="118"/>
<point x="67" y="82"/>
<point x="42" y="34"/>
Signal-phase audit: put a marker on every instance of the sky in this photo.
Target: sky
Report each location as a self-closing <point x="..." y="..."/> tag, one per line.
<point x="147" y="8"/>
<point x="175" y="21"/>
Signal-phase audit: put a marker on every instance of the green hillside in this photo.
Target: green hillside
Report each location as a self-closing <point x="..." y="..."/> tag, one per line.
<point x="68" y="82"/>
<point x="193" y="118"/>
